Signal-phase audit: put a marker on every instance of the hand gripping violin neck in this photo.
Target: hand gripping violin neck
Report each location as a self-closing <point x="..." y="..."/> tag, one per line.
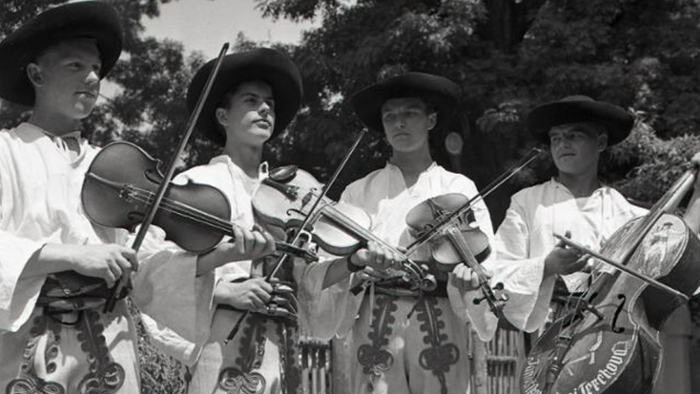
<point x="442" y="223"/>
<point x="336" y="227"/>
<point x="286" y="175"/>
<point x="461" y="242"/>
<point x="608" y="341"/>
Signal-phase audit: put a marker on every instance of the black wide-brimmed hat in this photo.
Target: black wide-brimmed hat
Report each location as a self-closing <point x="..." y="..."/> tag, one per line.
<point x="263" y="64"/>
<point x="92" y="19"/>
<point x="576" y="109"/>
<point x="440" y="91"/>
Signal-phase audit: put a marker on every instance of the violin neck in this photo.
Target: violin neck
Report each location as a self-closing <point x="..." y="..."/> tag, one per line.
<point x="465" y="252"/>
<point x="204" y="219"/>
<point x="351" y="227"/>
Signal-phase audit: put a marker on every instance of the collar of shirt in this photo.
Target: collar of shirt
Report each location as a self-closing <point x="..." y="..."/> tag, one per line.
<point x="397" y="176"/>
<point x="237" y="172"/>
<point x="602" y="189"/>
<point x="62" y="143"/>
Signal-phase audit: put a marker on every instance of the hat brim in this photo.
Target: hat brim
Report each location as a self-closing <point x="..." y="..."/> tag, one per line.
<point x="440" y="91"/>
<point x="267" y="65"/>
<point x="617" y="122"/>
<point x="91" y="19"/>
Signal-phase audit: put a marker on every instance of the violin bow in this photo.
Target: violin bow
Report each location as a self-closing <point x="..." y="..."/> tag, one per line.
<point x="324" y="191"/>
<point x="307" y="218"/>
<point x="501" y="179"/>
<point x="169" y="173"/>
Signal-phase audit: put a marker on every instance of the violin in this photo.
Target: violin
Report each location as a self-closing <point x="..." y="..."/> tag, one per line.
<point x="461" y="242"/>
<point x="608" y="341"/>
<point x="284" y="199"/>
<point x="121" y="183"/>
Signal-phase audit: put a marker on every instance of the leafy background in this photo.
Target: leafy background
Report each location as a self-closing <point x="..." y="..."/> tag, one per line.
<point x="507" y="55"/>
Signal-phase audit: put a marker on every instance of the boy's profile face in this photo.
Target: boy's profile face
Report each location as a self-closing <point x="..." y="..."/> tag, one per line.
<point x="250" y="114"/>
<point x="66" y="77"/>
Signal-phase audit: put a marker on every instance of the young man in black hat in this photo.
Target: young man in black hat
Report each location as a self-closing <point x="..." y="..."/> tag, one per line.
<point x="254" y="98"/>
<point x="575" y="202"/>
<point x="397" y="340"/>
<point x="54" y="64"/>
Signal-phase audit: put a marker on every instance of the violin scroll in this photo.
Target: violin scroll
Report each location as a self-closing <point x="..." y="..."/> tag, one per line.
<point x="497" y="297"/>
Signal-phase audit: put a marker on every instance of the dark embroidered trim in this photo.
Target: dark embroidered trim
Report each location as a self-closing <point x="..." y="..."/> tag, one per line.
<point x="374" y="359"/>
<point x="439" y="356"/>
<point x="105" y="376"/>
<point x="290" y="373"/>
<point x="241" y="378"/>
<point x="233" y="380"/>
<point x="27" y="381"/>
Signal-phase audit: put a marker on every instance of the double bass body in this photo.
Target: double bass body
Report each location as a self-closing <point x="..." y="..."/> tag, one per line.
<point x="609" y="343"/>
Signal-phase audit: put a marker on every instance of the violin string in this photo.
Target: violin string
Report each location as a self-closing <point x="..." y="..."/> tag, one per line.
<point x="187" y="212"/>
<point x="346" y="221"/>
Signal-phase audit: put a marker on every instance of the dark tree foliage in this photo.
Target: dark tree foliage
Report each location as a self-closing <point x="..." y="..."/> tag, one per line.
<point x="508" y="56"/>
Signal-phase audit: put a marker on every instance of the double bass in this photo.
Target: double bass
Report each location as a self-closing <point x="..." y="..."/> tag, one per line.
<point x="608" y="341"/>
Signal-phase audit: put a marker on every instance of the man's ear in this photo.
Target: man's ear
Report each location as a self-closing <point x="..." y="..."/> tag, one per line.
<point x="602" y="141"/>
<point x="222" y="116"/>
<point x="432" y="120"/>
<point x="34" y="74"/>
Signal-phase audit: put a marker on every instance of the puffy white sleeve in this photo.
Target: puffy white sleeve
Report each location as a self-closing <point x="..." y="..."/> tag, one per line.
<point x="329" y="311"/>
<point x="176" y="305"/>
<point x="18" y="294"/>
<point x="522" y="275"/>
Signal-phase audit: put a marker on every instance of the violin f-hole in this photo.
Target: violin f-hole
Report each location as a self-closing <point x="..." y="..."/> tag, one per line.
<point x="153" y="175"/>
<point x="615" y="329"/>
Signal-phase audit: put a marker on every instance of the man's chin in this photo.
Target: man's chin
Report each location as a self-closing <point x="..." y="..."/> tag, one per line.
<point x="263" y="134"/>
<point x="82" y="111"/>
<point x="399" y="146"/>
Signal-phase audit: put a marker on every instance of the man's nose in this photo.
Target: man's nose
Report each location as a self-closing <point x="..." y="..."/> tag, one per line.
<point x="92" y="77"/>
<point x="564" y="143"/>
<point x="264" y="109"/>
<point x="401" y="122"/>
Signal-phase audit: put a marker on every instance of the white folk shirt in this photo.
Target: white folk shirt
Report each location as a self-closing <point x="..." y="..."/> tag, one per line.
<point x="40" y="184"/>
<point x="526" y="237"/>
<point x="39" y="203"/>
<point x="384" y="196"/>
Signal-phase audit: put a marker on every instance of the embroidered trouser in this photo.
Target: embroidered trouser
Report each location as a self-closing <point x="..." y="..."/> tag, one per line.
<point x="94" y="353"/>
<point x="390" y="352"/>
<point x="260" y="358"/>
